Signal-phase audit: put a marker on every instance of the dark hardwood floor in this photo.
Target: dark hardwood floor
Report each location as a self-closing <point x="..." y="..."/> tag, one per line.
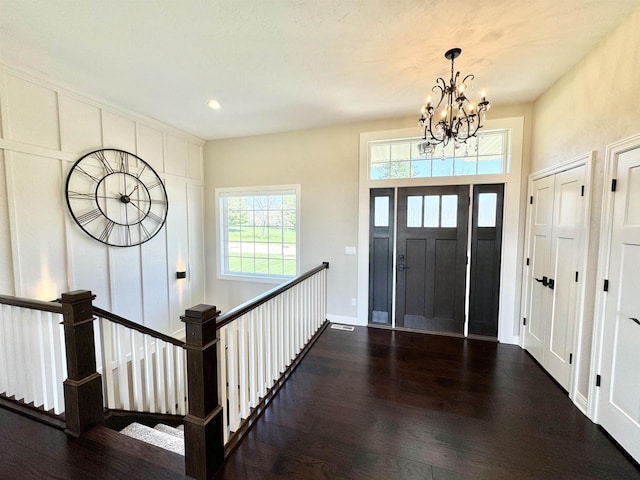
<point x="377" y="404"/>
<point x="32" y="450"/>
<point x="365" y="405"/>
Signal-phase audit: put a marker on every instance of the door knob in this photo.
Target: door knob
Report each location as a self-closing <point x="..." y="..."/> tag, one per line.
<point x="551" y="284"/>
<point x="402" y="268"/>
<point x="543" y="281"/>
<point x="633" y="319"/>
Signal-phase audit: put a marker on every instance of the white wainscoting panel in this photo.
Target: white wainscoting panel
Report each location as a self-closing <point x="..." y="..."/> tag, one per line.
<point x="80" y="126"/>
<point x="38" y="224"/>
<point x="32" y="113"/>
<point x="150" y="147"/>
<point x="176" y="152"/>
<point x="156" y="279"/>
<point x="178" y="250"/>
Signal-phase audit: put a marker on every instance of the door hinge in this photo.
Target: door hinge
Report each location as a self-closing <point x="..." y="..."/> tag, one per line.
<point x="582" y="191"/>
<point x="614" y="183"/>
<point x="524" y="320"/>
<point x="606" y="285"/>
<point x="527" y="262"/>
<point x="570" y="358"/>
<point x="576" y="276"/>
<point x="598" y="380"/>
<point x="531" y="200"/>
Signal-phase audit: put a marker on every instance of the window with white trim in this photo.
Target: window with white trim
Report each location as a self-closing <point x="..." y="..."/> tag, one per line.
<point x="483" y="155"/>
<point x="258" y="234"/>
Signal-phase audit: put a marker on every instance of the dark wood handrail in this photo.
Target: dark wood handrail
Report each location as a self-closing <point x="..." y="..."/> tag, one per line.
<point x="32" y="304"/>
<point x="243" y="308"/>
<point x="112" y="317"/>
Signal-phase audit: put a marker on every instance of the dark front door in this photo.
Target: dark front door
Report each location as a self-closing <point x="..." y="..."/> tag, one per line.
<point x="431" y="258"/>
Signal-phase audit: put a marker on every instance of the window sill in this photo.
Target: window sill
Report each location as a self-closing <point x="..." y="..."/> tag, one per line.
<point x="254" y="278"/>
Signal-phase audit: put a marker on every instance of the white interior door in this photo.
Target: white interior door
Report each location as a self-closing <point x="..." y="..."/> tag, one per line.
<point x="566" y="236"/>
<point x="619" y="396"/>
<point x="540" y="249"/>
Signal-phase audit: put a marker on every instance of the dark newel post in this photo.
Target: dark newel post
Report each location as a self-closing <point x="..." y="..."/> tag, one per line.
<point x="83" y="386"/>
<point x="204" y="444"/>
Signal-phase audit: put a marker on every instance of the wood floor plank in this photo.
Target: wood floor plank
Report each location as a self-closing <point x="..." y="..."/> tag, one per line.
<point x="378" y="404"/>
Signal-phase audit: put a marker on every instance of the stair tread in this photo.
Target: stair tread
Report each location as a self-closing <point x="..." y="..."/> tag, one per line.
<point x="154" y="437"/>
<point x="169" y="430"/>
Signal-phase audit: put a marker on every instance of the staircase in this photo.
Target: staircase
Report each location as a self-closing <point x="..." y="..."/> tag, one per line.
<point x="161" y="435"/>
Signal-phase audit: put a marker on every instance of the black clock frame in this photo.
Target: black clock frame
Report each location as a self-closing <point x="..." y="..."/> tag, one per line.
<point x="151" y="209"/>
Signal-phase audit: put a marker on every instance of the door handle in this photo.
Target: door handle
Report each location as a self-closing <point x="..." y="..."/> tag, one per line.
<point x="402" y="268"/>
<point x="551" y="284"/>
<point x="633" y="319"/>
<point x="543" y="281"/>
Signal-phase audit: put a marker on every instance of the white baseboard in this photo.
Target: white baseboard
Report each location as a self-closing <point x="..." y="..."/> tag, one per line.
<point x="345" y="320"/>
<point x="510" y="339"/>
<point x="180" y="334"/>
<point x="581" y="402"/>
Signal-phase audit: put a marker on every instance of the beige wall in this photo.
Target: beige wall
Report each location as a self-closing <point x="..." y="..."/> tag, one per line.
<point x="592" y="105"/>
<point x="324" y="161"/>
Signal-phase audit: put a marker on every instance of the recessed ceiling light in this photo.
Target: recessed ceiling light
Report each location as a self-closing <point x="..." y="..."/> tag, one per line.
<point x="214" y="104"/>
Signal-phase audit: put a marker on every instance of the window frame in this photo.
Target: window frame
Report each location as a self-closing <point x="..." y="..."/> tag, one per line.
<point x="221" y="231"/>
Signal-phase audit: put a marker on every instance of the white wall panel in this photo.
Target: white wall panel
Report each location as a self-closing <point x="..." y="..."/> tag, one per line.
<point x="38" y="223"/>
<point x="176" y="156"/>
<point x="126" y="282"/>
<point x="150" y="146"/>
<point x="195" y="162"/>
<point x="80" y="126"/>
<point x="154" y="278"/>
<point x="6" y="263"/>
<point x="88" y="264"/>
<point x="118" y="132"/>
<point x="178" y="248"/>
<point x="196" y="244"/>
<point x="32" y="112"/>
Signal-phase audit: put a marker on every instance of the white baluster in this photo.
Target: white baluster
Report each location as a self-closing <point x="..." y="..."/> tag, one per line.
<point x="254" y="361"/>
<point x="232" y="363"/>
<point x="170" y="379"/>
<point x="4" y="342"/>
<point x="161" y="394"/>
<point x="149" y="392"/>
<point x="123" y="348"/>
<point x="259" y="333"/>
<point x="106" y="337"/>
<point x="60" y="359"/>
<point x="178" y="354"/>
<point x="222" y="380"/>
<point x="243" y="366"/>
<point x="136" y="370"/>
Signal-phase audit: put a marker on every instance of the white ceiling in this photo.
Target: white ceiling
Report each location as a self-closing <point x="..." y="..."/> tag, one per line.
<point x="278" y="65"/>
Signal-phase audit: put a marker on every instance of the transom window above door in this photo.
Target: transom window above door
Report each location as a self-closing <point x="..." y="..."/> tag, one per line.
<point x="399" y="158"/>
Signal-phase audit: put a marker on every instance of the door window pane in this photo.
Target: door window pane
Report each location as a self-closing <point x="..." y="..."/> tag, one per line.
<point x="381" y="212"/>
<point x="449" y="217"/>
<point x="487" y="209"/>
<point x="414" y="211"/>
<point x="432" y="211"/>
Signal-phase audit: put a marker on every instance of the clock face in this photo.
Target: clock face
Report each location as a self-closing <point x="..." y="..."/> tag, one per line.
<point x="116" y="197"/>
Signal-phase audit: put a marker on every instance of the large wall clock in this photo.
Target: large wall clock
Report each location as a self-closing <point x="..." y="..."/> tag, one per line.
<point x="116" y="197"/>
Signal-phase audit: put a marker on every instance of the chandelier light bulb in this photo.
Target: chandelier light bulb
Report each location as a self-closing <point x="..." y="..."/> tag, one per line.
<point x="483" y="94"/>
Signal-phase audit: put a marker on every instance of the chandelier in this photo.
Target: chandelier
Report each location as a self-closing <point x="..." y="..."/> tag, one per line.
<point x="459" y="120"/>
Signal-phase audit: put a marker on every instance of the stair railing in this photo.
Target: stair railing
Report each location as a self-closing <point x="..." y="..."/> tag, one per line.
<point x="238" y="361"/>
<point x="47" y="361"/>
<point x="143" y="370"/>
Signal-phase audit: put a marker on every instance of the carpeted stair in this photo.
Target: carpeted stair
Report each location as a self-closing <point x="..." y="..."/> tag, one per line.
<point x="161" y="435"/>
